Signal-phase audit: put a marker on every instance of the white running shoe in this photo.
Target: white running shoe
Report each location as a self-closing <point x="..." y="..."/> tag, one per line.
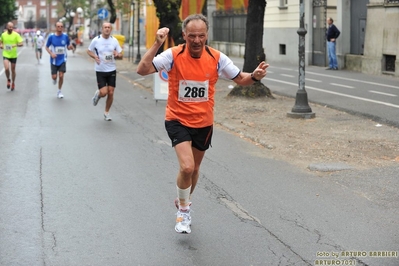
<point x="60" y="95"/>
<point x="183" y="222"/>
<point x="107" y="117"/>
<point x="96" y="97"/>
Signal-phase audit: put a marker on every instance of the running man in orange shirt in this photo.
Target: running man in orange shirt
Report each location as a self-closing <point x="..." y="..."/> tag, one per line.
<point x="194" y="69"/>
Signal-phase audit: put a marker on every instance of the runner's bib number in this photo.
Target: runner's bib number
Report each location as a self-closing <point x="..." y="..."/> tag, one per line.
<point x="193" y="91"/>
<point x="108" y="57"/>
<point x="59" y="50"/>
<point x="8" y="47"/>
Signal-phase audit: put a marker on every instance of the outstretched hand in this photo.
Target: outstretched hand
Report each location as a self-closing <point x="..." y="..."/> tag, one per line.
<point x="260" y="72"/>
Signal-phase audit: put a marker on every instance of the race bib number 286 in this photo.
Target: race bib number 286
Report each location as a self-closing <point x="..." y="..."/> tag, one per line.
<point x="193" y="91"/>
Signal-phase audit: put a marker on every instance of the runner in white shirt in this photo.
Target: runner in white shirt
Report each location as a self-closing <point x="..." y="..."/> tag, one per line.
<point x="39" y="42"/>
<point x="104" y="49"/>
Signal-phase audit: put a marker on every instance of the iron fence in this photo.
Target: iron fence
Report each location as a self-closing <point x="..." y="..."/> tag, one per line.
<point x="229" y="26"/>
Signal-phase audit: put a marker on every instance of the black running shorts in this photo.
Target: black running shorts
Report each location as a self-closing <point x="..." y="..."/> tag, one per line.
<point x="106" y="79"/>
<point x="200" y="137"/>
<point x="12" y="60"/>
<point x="56" y="69"/>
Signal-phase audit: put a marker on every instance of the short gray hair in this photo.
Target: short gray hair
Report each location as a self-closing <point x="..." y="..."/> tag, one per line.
<point x="195" y="17"/>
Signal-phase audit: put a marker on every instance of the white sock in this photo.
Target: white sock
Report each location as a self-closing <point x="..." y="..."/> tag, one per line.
<point x="184" y="198"/>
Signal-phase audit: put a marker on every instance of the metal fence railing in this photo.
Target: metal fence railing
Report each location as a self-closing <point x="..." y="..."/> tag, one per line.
<point x="229" y="26"/>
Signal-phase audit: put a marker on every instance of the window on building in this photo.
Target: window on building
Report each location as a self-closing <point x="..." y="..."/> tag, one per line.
<point x="43" y="13"/>
<point x="29" y="3"/>
<point x="389" y="63"/>
<point x="53" y="3"/>
<point x="282" y="49"/>
<point x="42" y="3"/>
<point x="16" y="3"/>
<point x="283" y="4"/>
<point x="54" y="14"/>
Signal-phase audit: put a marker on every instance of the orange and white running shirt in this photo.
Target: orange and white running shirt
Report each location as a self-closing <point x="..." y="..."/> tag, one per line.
<point x="191" y="83"/>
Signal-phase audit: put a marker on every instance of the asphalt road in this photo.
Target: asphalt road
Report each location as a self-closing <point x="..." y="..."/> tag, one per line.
<point x="77" y="190"/>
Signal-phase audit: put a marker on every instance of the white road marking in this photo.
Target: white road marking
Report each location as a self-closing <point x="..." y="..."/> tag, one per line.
<point x="289" y="76"/>
<point x="313" y="80"/>
<point x="337" y="93"/>
<point x="383" y="93"/>
<point x="341" y="85"/>
<point x="348" y="79"/>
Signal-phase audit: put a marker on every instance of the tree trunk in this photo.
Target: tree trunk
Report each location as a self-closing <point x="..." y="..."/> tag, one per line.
<point x="111" y="5"/>
<point x="254" y="53"/>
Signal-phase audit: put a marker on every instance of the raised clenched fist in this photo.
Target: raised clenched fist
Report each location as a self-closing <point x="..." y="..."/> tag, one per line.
<point x="162" y="34"/>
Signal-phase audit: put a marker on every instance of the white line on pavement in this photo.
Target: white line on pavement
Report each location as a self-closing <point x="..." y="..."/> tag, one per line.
<point x="337" y="93"/>
<point x="313" y="80"/>
<point x="341" y="85"/>
<point x="383" y="93"/>
<point x="348" y="79"/>
<point x="356" y="80"/>
<point x="289" y="76"/>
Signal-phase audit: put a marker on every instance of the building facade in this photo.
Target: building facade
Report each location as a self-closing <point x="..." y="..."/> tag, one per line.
<point x="381" y="48"/>
<point x="37" y="14"/>
<point x="367" y="42"/>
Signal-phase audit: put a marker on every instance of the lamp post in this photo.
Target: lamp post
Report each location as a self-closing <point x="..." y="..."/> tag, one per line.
<point x="79" y="10"/>
<point x="301" y="108"/>
<point x="47" y="18"/>
<point x="62" y="20"/>
<point x="71" y="21"/>
<point x="131" y="41"/>
<point x="138" y="57"/>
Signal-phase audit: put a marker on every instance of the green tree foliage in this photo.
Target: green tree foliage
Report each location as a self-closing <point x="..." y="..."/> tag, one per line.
<point x="168" y="15"/>
<point x="69" y="6"/>
<point x="7" y="11"/>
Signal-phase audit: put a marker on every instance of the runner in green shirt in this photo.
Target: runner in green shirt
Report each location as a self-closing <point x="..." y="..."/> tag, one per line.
<point x="9" y="40"/>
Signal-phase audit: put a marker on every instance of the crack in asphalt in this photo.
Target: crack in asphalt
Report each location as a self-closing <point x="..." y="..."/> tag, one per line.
<point x="54" y="239"/>
<point x="223" y="197"/>
<point x="319" y="238"/>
